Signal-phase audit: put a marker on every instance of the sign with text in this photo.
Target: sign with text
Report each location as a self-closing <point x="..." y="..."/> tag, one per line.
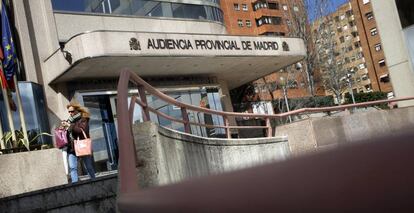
<point x="190" y="44"/>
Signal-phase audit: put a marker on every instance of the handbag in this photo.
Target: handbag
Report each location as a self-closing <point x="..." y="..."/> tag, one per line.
<point x="83" y="147"/>
<point x="61" y="137"/>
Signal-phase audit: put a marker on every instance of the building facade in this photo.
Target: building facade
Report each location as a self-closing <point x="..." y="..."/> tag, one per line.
<point x="76" y="51"/>
<point x="371" y="46"/>
<point x="395" y="23"/>
<point x="347" y="42"/>
<point x="268" y="18"/>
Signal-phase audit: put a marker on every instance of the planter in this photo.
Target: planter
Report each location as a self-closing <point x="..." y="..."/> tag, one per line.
<point x="30" y="171"/>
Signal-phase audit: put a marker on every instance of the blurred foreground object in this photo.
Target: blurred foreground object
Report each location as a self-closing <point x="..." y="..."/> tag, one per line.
<point x="374" y="176"/>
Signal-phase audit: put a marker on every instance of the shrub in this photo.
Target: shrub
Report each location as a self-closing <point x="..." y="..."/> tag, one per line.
<point x="366" y="97"/>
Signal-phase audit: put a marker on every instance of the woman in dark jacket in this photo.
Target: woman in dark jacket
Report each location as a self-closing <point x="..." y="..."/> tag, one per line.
<point x="78" y="120"/>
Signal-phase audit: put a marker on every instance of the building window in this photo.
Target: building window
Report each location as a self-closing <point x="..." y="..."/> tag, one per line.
<point x="369" y="15"/>
<point x="236" y="7"/>
<point x="365" y="1"/>
<point x="269" y="20"/>
<point x="362" y="66"/>
<point x="359" y="55"/>
<point x="378" y="47"/>
<point x="240" y="22"/>
<point x="245" y="8"/>
<point x="374" y="31"/>
<point x="385" y="78"/>
<point x="273" y="5"/>
<point x="258" y="5"/>
<point x="347" y="60"/>
<point x="368" y="87"/>
<point x="248" y="23"/>
<point x="354" y="34"/>
<point x="381" y="62"/>
<point x="295" y="8"/>
<point x="273" y="34"/>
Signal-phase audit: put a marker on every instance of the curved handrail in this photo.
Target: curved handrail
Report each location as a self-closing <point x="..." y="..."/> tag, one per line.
<point x="144" y="86"/>
<point x="128" y="178"/>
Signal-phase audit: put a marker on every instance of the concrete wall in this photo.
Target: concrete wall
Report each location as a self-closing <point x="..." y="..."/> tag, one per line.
<point x="69" y="25"/>
<point x="395" y="49"/>
<point x="88" y="196"/>
<point x="165" y="156"/>
<point x="30" y="171"/>
<point x="321" y="133"/>
<point x="41" y="30"/>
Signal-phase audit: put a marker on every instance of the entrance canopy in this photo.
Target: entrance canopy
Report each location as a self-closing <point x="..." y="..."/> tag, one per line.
<point x="235" y="59"/>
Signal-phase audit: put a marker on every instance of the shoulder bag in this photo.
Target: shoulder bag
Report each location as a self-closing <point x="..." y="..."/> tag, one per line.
<point x="83" y="147"/>
<point x="61" y="137"/>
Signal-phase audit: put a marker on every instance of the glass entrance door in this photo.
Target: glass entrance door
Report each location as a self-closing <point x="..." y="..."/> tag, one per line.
<point x="102" y="131"/>
<point x="104" y="127"/>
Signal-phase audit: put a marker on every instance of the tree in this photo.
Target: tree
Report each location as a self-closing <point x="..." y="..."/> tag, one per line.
<point x="333" y="45"/>
<point x="298" y="22"/>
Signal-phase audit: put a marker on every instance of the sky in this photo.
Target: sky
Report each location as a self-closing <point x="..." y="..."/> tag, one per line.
<point x="333" y="4"/>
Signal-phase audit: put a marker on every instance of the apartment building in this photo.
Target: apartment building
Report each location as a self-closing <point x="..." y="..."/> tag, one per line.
<point x="268" y="18"/>
<point x="373" y="52"/>
<point x="356" y="47"/>
<point x="395" y="25"/>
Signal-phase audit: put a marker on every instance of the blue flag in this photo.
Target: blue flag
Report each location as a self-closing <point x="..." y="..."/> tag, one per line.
<point x="9" y="53"/>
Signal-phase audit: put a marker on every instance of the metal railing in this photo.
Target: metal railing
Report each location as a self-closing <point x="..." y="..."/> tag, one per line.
<point x="125" y="115"/>
<point x="144" y="88"/>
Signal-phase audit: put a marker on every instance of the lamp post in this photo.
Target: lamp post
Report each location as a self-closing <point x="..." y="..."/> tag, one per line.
<point x="282" y="82"/>
<point x="348" y="79"/>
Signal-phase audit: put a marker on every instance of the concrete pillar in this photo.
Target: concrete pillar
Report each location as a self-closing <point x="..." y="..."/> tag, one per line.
<point x="39" y="40"/>
<point x="395" y="49"/>
<point x="26" y="40"/>
<point x="225" y="99"/>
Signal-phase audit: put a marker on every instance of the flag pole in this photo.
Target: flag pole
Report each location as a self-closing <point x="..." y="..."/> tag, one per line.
<point x="9" y="46"/>
<point x="20" y="108"/>
<point x="1" y="137"/>
<point x="9" y="114"/>
<point x="2" y="146"/>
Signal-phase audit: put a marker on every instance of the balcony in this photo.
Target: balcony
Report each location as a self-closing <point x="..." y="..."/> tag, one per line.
<point x="267" y="12"/>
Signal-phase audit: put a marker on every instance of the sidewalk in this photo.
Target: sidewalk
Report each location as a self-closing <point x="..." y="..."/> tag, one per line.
<point x="98" y="174"/>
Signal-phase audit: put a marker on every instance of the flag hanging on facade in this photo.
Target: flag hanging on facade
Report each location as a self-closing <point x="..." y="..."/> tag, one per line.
<point x="2" y="76"/>
<point x="7" y="58"/>
<point x="9" y="53"/>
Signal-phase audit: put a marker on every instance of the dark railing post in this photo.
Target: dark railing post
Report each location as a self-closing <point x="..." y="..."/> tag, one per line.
<point x="269" y="127"/>
<point x="131" y="108"/>
<point x="186" y="120"/>
<point x="145" y="111"/>
<point x="226" y="124"/>
<point x="128" y="179"/>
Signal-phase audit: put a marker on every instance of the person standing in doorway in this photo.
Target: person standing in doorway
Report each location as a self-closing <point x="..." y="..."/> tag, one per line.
<point x="77" y="122"/>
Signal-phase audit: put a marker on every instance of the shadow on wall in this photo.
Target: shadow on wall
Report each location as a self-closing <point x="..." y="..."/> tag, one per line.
<point x="167" y="156"/>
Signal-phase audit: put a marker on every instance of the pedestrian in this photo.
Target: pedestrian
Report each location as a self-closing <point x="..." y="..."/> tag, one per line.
<point x="78" y="120"/>
<point x="61" y="139"/>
